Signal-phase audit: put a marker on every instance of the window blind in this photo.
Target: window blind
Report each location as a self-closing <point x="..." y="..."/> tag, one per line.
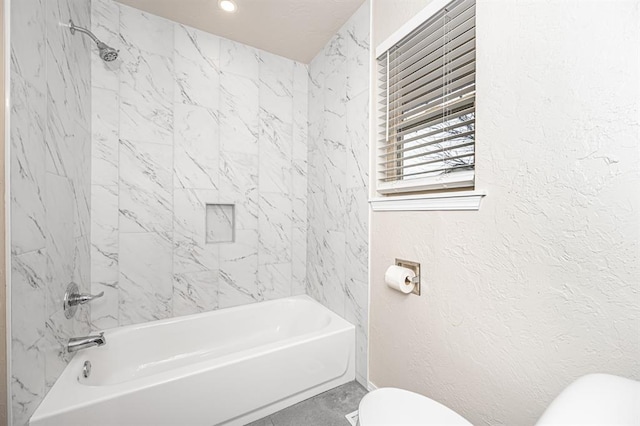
<point x="426" y="87"/>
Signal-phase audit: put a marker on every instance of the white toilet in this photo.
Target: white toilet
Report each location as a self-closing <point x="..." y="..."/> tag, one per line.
<point x="391" y="406"/>
<point x="592" y="399"/>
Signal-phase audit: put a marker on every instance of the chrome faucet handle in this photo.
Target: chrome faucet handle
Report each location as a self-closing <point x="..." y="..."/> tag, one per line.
<point x="80" y="298"/>
<point x="72" y="298"/>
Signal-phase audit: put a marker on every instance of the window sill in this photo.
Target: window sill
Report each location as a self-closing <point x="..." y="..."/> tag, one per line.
<point x="433" y="202"/>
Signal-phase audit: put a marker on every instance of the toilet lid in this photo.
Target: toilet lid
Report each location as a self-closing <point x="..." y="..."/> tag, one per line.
<point x="395" y="407"/>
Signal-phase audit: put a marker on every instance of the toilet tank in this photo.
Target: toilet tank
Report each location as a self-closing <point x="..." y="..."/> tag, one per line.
<point x="595" y="399"/>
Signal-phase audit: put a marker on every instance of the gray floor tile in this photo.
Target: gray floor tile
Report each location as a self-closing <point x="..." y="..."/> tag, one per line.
<point x="326" y="409"/>
<point x="262" y="422"/>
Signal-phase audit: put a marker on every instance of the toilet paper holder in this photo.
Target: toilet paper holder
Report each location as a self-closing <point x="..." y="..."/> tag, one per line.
<point x="415" y="267"/>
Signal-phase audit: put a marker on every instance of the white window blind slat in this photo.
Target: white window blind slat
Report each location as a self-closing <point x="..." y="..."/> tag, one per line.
<point x="408" y="153"/>
<point x="456" y="68"/>
<point x="417" y="44"/>
<point x="464" y="43"/>
<point x="459" y="36"/>
<point x="449" y="129"/>
<point x="459" y="53"/>
<point x="435" y="171"/>
<point x="426" y="90"/>
<point x="424" y="158"/>
<point x="434" y="115"/>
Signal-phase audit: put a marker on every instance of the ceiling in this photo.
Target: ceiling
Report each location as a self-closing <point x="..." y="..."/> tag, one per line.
<point x="296" y="29"/>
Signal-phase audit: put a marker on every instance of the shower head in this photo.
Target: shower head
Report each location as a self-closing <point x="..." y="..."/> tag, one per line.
<point x="106" y="52"/>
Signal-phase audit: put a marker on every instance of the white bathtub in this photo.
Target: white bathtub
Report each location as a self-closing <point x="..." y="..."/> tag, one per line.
<point x="229" y="367"/>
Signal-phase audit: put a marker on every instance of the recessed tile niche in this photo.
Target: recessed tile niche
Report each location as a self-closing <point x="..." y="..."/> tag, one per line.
<point x="220" y="223"/>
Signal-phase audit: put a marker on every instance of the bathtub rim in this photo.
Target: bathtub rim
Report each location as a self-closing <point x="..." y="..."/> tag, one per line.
<point x="215" y="312"/>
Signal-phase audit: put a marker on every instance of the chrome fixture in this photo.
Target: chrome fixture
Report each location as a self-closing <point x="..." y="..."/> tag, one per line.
<point x="72" y="298"/>
<point x="78" y="343"/>
<point x="86" y="369"/>
<point x="415" y="267"/>
<point x="106" y="52"/>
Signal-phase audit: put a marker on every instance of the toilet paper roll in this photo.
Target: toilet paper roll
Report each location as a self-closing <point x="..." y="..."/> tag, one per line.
<point x="399" y="278"/>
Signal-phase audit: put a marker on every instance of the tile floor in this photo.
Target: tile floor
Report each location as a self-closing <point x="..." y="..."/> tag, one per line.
<point x="326" y="409"/>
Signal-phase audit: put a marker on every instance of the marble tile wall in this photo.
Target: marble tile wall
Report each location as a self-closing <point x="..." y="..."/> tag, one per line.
<point x="50" y="159"/>
<point x="181" y="120"/>
<point x="338" y="151"/>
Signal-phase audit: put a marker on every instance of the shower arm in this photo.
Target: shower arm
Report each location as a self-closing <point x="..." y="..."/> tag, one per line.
<point x="75" y="28"/>
<point x="106" y="52"/>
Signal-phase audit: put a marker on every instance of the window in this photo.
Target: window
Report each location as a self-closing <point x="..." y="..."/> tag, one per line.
<point x="426" y="87"/>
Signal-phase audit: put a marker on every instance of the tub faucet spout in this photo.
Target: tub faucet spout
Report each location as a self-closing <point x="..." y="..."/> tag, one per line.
<point x="78" y="343"/>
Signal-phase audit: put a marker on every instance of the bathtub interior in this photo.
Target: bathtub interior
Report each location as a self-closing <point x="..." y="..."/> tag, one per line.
<point x="161" y="346"/>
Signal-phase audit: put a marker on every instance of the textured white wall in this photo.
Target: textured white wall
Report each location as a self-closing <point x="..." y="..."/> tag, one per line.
<point x="541" y="285"/>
